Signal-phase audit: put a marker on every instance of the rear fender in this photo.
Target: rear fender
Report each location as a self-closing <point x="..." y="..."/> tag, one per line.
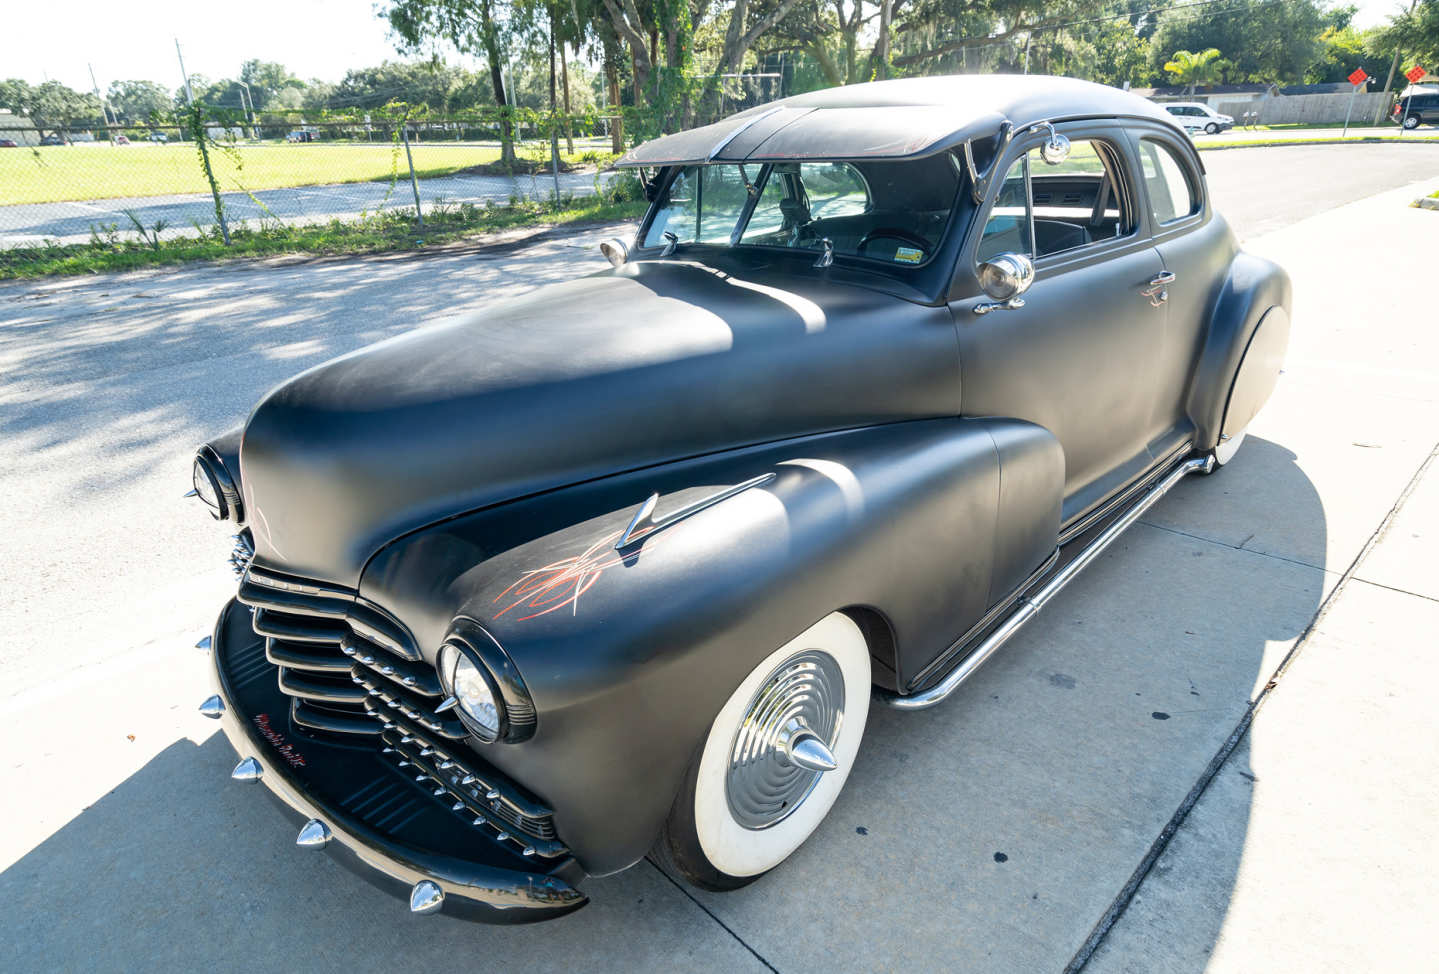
<point x="1252" y="288"/>
<point x="629" y="654"/>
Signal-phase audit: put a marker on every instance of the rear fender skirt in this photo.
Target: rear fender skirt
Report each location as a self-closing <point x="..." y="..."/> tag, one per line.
<point x="629" y="654"/>
<point x="1253" y="287"/>
<point x="1258" y="371"/>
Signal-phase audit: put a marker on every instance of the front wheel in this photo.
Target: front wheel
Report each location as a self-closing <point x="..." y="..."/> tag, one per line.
<point x="775" y="759"/>
<point x="1212" y="128"/>
<point x="1412" y="122"/>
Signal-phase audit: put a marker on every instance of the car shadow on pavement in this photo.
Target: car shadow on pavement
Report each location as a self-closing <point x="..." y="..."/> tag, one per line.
<point x="993" y="832"/>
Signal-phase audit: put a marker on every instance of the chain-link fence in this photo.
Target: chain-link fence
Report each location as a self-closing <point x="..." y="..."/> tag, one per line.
<point x="221" y="175"/>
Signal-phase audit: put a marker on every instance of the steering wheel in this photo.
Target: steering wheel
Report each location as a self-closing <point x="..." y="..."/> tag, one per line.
<point x="893" y="233"/>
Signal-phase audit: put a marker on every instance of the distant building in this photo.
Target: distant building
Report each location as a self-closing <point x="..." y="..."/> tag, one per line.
<point x="18" y="128"/>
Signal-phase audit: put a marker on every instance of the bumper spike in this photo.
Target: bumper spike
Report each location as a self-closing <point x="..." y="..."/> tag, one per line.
<point x="204" y="643"/>
<point x="247" y="770"/>
<point x="314" y="834"/>
<point x="213" y="707"/>
<point x="426" y="898"/>
<point x="448" y="703"/>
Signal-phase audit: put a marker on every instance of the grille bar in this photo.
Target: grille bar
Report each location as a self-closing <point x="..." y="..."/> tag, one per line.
<point x="301" y="656"/>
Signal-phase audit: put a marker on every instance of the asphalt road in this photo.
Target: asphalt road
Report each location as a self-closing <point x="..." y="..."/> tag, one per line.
<point x="989" y="834"/>
<point x="28" y="224"/>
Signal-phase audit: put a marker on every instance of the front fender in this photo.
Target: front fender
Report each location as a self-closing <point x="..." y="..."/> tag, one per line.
<point x="1253" y="286"/>
<point x="629" y="655"/>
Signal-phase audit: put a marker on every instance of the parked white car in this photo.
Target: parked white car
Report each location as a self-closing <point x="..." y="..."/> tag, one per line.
<point x="1196" y="116"/>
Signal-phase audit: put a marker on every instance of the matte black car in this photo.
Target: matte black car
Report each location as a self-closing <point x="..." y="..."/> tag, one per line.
<point x="1417" y="109"/>
<point x="621" y="564"/>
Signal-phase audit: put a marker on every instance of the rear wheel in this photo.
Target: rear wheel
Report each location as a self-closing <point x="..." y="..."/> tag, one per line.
<point x="1212" y="128"/>
<point x="774" y="761"/>
<point x="1412" y="122"/>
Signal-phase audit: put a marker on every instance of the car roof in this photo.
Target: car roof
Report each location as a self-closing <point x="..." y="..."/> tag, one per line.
<point x="907" y="118"/>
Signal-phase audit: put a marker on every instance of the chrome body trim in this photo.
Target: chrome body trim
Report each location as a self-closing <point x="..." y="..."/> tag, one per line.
<point x="734" y="133"/>
<point x="1030" y="606"/>
<point x="644" y="523"/>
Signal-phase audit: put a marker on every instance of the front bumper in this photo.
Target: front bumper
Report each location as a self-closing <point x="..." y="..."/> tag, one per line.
<point x="382" y="826"/>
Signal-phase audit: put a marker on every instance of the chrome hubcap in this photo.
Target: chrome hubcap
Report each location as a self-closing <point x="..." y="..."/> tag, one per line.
<point x="786" y="741"/>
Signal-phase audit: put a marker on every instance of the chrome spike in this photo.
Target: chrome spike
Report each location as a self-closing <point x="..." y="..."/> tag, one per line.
<point x="373" y="693"/>
<point x="192" y="492"/>
<point x="457" y="806"/>
<point x="529" y="850"/>
<point x="387" y="671"/>
<point x="367" y="660"/>
<point x="810" y="753"/>
<point x="480" y="821"/>
<point x="426" y="751"/>
<point x="448" y="703"/>
<point x="408" y="681"/>
<point x="503" y="837"/>
<point x="432" y="725"/>
<point x="393" y="704"/>
<point x="347" y="649"/>
<point x="407" y="739"/>
<point x="468" y="779"/>
<point x="403" y="764"/>
<point x="438" y="792"/>
<point x="426" y="898"/>
<point x="412" y="714"/>
<point x="247" y="770"/>
<point x="213" y="707"/>
<point x="421" y="777"/>
<point x="314" y="834"/>
<point x="492" y="794"/>
<point x="445" y="765"/>
<point x="204" y="644"/>
<point x="387" y="750"/>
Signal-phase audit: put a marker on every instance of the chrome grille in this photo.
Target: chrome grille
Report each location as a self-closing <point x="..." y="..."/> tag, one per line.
<point x="352" y="670"/>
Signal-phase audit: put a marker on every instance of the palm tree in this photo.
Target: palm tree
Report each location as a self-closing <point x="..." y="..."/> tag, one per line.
<point x="1193" y="69"/>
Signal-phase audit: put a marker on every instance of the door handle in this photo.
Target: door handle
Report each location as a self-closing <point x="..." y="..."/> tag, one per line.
<point x="1158" y="290"/>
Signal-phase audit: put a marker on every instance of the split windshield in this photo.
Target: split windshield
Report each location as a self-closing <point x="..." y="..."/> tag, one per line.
<point x="892" y="212"/>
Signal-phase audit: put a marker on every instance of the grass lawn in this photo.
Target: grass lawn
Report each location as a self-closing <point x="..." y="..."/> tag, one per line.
<point x="392" y="230"/>
<point x="103" y="171"/>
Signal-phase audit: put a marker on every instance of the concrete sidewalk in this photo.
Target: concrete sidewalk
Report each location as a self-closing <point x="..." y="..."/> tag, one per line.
<point x="995" y="833"/>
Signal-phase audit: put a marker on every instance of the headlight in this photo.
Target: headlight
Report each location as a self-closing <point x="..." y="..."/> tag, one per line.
<point x="479" y="702"/>
<point x="491" y="698"/>
<point x="216" y="486"/>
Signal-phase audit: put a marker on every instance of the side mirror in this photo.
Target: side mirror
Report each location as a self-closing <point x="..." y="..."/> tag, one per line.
<point x="1004" y="278"/>
<point x="1055" y="149"/>
<point x="616" y="251"/>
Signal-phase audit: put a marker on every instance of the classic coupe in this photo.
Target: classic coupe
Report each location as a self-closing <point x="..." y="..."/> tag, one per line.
<point x="621" y="565"/>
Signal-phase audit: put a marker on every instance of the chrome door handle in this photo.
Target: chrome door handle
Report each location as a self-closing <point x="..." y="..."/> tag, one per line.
<point x="1157" y="292"/>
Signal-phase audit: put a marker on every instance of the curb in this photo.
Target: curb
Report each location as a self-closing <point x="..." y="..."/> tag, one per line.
<point x="1352" y="140"/>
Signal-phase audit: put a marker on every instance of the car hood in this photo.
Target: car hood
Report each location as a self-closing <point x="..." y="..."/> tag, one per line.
<point x="651" y="362"/>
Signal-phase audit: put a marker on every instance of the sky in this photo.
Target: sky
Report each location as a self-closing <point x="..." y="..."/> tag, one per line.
<point x="135" y="39"/>
<point x="313" y="38"/>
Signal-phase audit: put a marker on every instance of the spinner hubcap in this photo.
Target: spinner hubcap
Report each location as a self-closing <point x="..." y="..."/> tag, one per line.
<point x="786" y="741"/>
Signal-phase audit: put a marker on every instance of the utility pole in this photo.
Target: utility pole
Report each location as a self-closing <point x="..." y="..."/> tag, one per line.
<point x="104" y="114"/>
<point x="189" y="95"/>
<point x="246" y="96"/>
<point x="1393" y="68"/>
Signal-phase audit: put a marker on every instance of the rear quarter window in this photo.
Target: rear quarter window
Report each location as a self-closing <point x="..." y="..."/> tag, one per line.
<point x="1172" y="187"/>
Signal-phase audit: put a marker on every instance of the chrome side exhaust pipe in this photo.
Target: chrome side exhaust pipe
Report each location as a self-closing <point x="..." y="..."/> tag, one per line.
<point x="1029" y="607"/>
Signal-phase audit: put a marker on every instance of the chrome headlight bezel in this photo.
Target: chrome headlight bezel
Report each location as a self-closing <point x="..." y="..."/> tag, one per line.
<point x="223" y="498"/>
<point x="513" y="704"/>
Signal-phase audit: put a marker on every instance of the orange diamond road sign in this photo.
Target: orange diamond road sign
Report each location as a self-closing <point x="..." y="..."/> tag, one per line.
<point x="1415" y="73"/>
<point x="1358" y="77"/>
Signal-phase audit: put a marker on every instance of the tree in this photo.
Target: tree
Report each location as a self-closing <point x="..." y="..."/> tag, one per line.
<point x="268" y="82"/>
<point x="135" y="102"/>
<point x="1266" y="41"/>
<point x="1191" y="69"/>
<point x="51" y="106"/>
<point x="471" y="27"/>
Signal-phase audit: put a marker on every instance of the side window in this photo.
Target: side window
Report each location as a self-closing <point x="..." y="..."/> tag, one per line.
<point x="1045" y="209"/>
<point x="722" y="199"/>
<point x="1172" y="194"/>
<point x="834" y="189"/>
<point x="1007" y="229"/>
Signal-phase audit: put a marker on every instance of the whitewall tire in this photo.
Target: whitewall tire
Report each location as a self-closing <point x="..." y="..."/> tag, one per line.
<point x="775" y="759"/>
